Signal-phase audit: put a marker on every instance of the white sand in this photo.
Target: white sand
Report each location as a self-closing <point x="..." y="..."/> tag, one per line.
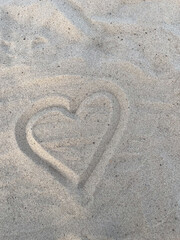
<point x="89" y="120"/>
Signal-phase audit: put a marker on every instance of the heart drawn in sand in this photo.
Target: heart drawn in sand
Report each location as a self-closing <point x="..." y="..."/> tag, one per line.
<point x="76" y="136"/>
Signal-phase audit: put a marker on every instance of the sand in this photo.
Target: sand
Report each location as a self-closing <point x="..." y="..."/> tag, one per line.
<point x="89" y="120"/>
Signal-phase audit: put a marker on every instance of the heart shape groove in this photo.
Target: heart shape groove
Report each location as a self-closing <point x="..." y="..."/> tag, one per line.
<point x="75" y="135"/>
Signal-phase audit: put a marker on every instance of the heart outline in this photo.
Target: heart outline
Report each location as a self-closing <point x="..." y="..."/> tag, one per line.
<point x="92" y="87"/>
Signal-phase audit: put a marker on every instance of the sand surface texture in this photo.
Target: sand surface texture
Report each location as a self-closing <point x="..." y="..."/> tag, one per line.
<point x="89" y="120"/>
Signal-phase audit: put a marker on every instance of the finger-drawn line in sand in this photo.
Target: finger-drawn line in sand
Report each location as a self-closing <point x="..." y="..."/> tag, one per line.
<point x="84" y="184"/>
